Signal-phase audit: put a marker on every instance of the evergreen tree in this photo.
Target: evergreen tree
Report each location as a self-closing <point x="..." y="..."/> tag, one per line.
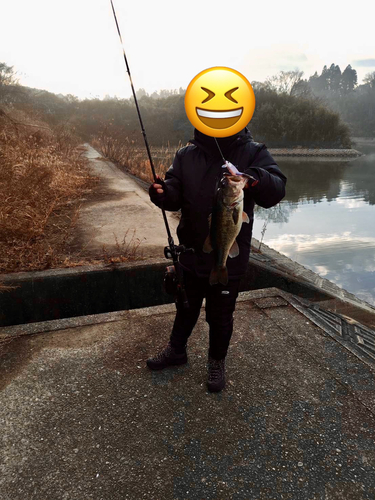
<point x="324" y="79"/>
<point x="334" y="78"/>
<point x="348" y="80"/>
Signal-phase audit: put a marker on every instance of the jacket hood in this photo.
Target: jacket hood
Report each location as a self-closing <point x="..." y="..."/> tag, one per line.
<point x="227" y="144"/>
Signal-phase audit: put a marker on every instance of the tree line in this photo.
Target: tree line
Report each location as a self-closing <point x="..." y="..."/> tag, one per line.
<point x="336" y="90"/>
<point x="322" y="111"/>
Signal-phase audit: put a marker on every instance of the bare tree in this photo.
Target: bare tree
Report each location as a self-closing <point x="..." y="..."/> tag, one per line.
<point x="9" y="87"/>
<point x="285" y="82"/>
<point x="141" y="93"/>
<point x="370" y="79"/>
<point x="7" y="75"/>
<point x="258" y="85"/>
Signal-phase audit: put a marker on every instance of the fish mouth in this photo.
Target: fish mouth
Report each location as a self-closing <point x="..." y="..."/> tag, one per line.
<point x="219" y="119"/>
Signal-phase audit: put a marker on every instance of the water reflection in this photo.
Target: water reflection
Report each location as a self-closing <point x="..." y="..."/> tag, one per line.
<point x="326" y="221"/>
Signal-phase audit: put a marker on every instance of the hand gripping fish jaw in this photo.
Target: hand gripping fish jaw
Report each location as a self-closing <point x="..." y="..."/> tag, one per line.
<point x="234" y="171"/>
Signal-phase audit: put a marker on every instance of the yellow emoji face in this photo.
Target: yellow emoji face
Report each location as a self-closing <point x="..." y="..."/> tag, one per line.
<point x="219" y="102"/>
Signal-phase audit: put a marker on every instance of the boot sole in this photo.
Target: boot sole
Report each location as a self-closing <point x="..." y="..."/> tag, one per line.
<point x="179" y="362"/>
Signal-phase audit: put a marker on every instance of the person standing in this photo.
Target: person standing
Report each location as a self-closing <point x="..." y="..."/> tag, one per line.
<point x="190" y="186"/>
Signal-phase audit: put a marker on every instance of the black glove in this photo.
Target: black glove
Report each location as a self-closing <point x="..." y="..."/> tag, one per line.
<point x="156" y="197"/>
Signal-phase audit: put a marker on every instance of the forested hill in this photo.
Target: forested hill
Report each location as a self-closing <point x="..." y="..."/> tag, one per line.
<point x="341" y="93"/>
<point x="322" y="111"/>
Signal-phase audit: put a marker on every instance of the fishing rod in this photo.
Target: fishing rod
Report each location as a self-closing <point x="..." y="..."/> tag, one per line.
<point x="172" y="251"/>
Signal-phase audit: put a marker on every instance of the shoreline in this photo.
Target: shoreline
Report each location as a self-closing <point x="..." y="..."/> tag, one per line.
<point x="280" y="262"/>
<point x="325" y="153"/>
<point x="297" y="152"/>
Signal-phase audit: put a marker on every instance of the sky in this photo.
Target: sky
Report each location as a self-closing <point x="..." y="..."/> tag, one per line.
<point x="72" y="46"/>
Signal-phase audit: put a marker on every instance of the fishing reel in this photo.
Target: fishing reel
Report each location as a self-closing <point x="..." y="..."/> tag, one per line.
<point x="179" y="249"/>
<point x="173" y="278"/>
<point x="170" y="280"/>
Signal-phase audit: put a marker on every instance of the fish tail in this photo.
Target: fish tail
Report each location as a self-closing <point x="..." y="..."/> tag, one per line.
<point x="219" y="275"/>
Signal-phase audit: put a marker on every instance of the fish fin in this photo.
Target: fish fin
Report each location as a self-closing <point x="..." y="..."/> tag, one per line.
<point x="219" y="275"/>
<point x="207" y="247"/>
<point x="245" y="218"/>
<point x="234" y="250"/>
<point x="235" y="214"/>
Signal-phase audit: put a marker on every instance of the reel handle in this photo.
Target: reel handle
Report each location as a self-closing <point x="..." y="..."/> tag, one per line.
<point x="178" y="250"/>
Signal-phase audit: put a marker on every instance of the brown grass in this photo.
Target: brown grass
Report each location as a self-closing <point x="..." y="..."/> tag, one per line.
<point x="42" y="177"/>
<point x="134" y="159"/>
<point x="127" y="249"/>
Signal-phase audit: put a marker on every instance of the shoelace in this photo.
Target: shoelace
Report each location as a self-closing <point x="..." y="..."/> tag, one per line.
<point x="215" y="371"/>
<point x="162" y="354"/>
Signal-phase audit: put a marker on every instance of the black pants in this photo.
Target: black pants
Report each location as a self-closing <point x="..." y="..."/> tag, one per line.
<point x="220" y="305"/>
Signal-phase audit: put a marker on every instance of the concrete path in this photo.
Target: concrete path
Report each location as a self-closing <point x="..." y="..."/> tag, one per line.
<point x="119" y="208"/>
<point x="82" y="417"/>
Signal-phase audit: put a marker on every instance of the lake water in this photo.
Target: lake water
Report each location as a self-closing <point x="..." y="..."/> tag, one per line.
<point x="327" y="220"/>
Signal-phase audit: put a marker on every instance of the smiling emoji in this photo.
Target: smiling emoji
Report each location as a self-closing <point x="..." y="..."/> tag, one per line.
<point x="219" y="102"/>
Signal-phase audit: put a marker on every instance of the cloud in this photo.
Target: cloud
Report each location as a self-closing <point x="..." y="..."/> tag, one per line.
<point x="351" y="203"/>
<point x="290" y="244"/>
<point x="266" y="61"/>
<point x="321" y="270"/>
<point x="367" y="63"/>
<point x="296" y="58"/>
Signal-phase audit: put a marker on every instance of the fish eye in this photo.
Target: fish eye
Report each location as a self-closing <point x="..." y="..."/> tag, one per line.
<point x="210" y="94"/>
<point x="228" y="95"/>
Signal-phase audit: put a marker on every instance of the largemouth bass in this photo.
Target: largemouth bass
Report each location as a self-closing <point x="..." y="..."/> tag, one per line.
<point x="225" y="223"/>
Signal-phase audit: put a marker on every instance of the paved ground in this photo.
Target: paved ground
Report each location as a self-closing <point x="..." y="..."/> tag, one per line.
<point x="118" y="207"/>
<point x="83" y="418"/>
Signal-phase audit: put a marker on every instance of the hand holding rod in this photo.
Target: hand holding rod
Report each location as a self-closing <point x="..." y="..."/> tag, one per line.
<point x="172" y="247"/>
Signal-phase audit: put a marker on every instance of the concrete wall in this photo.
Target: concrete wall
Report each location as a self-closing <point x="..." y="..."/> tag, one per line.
<point x="64" y="293"/>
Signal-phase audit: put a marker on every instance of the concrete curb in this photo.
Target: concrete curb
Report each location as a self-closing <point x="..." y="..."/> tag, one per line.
<point x="329" y="153"/>
<point x="90" y="290"/>
<point x="281" y="262"/>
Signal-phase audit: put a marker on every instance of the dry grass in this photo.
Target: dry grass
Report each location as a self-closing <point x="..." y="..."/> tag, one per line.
<point x="42" y="177"/>
<point x="134" y="159"/>
<point x="127" y="250"/>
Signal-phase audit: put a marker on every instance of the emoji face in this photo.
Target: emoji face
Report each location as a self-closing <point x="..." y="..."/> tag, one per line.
<point x="219" y="102"/>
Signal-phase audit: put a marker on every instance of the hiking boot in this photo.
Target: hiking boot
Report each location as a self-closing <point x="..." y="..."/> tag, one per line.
<point x="167" y="357"/>
<point x="216" y="374"/>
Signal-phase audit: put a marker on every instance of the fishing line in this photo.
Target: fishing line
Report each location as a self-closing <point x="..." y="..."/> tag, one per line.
<point x="172" y="251"/>
<point x="140" y="119"/>
<point x="217" y="144"/>
<point x="134" y="94"/>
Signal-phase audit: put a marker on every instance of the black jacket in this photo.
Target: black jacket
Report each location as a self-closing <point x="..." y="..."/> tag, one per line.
<point x="191" y="184"/>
